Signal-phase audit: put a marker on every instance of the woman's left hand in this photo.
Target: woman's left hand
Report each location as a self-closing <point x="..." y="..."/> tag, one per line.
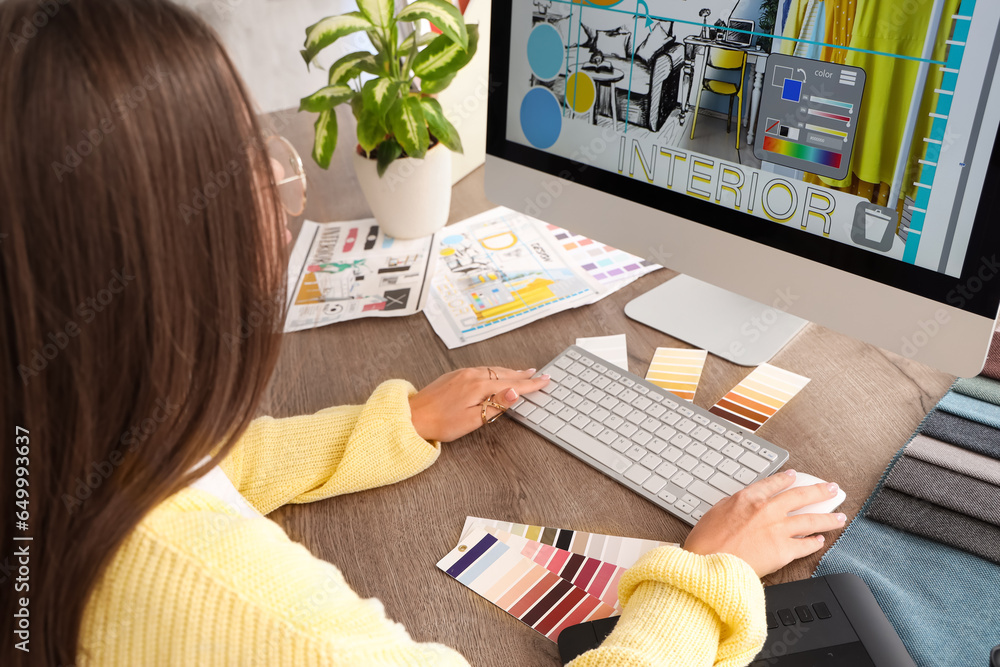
<point x="451" y="406"/>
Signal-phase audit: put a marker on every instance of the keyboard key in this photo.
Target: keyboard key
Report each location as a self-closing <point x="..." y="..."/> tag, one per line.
<point x="637" y="474"/>
<point x="599" y="414"/>
<point x="822" y="611"/>
<point x="567" y="414"/>
<point x="557" y="375"/>
<point x="627" y="429"/>
<point x="733" y="451"/>
<point x="585" y="361"/>
<point x="555" y="406"/>
<point x="711" y="458"/>
<point x="523" y="408"/>
<point x="654" y="484"/>
<point x="701" y="433"/>
<point x="582" y="388"/>
<point x="586" y="406"/>
<point x="716" y="442"/>
<point x="614" y="421"/>
<point x="571" y="382"/>
<point x="588" y="375"/>
<point x="595" y="395"/>
<point x="621" y="444"/>
<point x="559" y="393"/>
<point x="651" y="461"/>
<point x="685" y="426"/>
<point x="656" y="445"/>
<point x="607" y="436"/>
<point x="563" y="362"/>
<point x="734" y="436"/>
<point x="614" y="375"/>
<point x="655" y="410"/>
<point x="593" y="429"/>
<point x="665" y="432"/>
<point x="768" y="454"/>
<point x="580" y="421"/>
<point x="622" y="409"/>
<point x="668" y="497"/>
<point x="608" y="402"/>
<point x="539" y="398"/>
<point x="772" y="620"/>
<point x="641" y="388"/>
<point x="552" y="424"/>
<point x="671" y="454"/>
<point x="680" y="440"/>
<point x="718" y="428"/>
<point x="576" y="369"/>
<point x="745" y="476"/>
<point x="627" y="382"/>
<point x="573" y="400"/>
<point x="635" y="452"/>
<point x="641" y="402"/>
<point x="614" y="389"/>
<point x="705" y="492"/>
<point x="687" y="462"/>
<point x="695" y="449"/>
<point x="642" y="438"/>
<point x="682" y="479"/>
<point x="751" y="445"/>
<point x="684" y="507"/>
<point x="667" y="470"/>
<point x="595" y="450"/>
<point x="702" y="419"/>
<point x="628" y="395"/>
<point x="538" y="416"/>
<point x="573" y="354"/>
<point x="601" y="382"/>
<point x="690" y="500"/>
<point x="726" y="484"/>
<point x="697" y="514"/>
<point x="669" y="403"/>
<point x="753" y="462"/>
<point x="656" y="396"/>
<point x="786" y="617"/>
<point x="600" y="368"/>
<point x="684" y="410"/>
<point x="728" y="467"/>
<point x="703" y="471"/>
<point x="804" y="614"/>
<point x="636" y="417"/>
<point x="650" y="424"/>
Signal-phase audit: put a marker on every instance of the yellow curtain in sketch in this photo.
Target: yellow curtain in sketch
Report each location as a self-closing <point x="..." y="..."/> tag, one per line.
<point x="888" y="27"/>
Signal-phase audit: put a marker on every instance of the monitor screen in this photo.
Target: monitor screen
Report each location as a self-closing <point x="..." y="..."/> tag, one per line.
<point x="855" y="134"/>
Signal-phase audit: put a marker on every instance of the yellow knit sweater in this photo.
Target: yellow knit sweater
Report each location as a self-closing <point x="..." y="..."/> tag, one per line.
<point x="197" y="583"/>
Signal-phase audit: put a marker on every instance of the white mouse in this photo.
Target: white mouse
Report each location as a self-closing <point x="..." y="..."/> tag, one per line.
<point x="823" y="506"/>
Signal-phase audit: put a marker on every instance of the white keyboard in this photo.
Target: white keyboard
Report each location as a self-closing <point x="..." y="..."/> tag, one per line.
<point x="673" y="453"/>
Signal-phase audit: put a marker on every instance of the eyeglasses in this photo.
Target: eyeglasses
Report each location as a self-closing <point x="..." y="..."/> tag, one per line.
<point x="289" y="174"/>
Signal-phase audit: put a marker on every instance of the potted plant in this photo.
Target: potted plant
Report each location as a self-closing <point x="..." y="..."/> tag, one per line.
<point x="402" y="159"/>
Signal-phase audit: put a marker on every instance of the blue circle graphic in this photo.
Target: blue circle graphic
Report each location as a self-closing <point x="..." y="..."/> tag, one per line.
<point x="454" y="239"/>
<point x="541" y="117"/>
<point x="545" y="51"/>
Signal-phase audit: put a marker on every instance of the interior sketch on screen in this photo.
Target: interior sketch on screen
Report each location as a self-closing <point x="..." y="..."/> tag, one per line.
<point x="813" y="114"/>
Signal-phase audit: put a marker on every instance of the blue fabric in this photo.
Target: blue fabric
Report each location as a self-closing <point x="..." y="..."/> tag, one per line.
<point x="941" y="601"/>
<point x="785" y="6"/>
<point x="971" y="408"/>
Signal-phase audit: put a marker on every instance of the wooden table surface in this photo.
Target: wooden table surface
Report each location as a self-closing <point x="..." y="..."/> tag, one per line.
<point x="860" y="408"/>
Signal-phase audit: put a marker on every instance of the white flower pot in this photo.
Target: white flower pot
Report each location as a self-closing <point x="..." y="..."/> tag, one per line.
<point x="413" y="197"/>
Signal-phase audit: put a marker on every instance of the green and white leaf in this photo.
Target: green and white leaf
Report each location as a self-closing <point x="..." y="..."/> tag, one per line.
<point x="406" y="120"/>
<point x="421" y="40"/>
<point x="379" y="94"/>
<point x="439" y="125"/>
<point x="443" y="57"/>
<point x="350" y="66"/>
<point x="327" y="31"/>
<point x="387" y="153"/>
<point x="432" y="86"/>
<point x="371" y="130"/>
<point x="379" y="12"/>
<point x="326" y="138"/>
<point x="441" y="13"/>
<point x="326" y="98"/>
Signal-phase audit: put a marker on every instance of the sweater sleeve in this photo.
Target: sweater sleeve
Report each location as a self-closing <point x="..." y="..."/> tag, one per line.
<point x="337" y="450"/>
<point x="685" y="610"/>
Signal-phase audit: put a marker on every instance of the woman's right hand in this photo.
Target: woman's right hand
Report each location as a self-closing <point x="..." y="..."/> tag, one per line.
<point x="754" y="524"/>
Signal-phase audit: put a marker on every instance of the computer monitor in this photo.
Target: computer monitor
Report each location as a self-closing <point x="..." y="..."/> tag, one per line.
<point x="852" y="182"/>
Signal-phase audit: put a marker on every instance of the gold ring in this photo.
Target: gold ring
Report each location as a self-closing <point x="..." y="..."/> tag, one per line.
<point x="490" y="403"/>
<point x="493" y="375"/>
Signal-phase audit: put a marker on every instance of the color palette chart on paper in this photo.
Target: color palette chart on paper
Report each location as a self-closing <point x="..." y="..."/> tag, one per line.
<point x="601" y="262"/>
<point x="677" y="370"/>
<point x="610" y="348"/>
<point x="524" y="589"/>
<point x="759" y="396"/>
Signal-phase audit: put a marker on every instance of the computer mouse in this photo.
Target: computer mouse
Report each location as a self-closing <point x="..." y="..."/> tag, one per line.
<point x="822" y="507"/>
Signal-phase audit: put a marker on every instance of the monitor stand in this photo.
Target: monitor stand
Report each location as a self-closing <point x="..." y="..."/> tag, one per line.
<point x="728" y="325"/>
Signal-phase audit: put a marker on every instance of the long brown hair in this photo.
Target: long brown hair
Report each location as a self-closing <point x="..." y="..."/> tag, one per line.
<point x="141" y="282"/>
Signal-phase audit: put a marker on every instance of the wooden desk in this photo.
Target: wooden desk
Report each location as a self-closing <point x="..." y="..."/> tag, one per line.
<point x="861" y="406"/>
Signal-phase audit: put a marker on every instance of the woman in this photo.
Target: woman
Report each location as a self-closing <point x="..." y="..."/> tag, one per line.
<point x="127" y="287"/>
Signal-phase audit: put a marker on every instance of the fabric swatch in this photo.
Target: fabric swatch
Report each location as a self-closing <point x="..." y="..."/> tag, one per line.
<point x="971" y="408"/>
<point x="927" y="590"/>
<point x="955" y="458"/>
<point x="992" y="368"/>
<point x="962" y="432"/>
<point x="983" y="388"/>
<point x="936" y="523"/>
<point x="949" y="489"/>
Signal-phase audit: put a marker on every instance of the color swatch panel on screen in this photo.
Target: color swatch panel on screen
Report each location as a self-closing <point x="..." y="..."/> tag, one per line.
<point x="524" y="589"/>
<point x="677" y="370"/>
<point x="619" y="551"/>
<point x="759" y="396"/>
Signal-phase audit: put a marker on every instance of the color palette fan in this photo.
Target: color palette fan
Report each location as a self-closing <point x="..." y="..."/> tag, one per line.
<point x="759" y="396"/>
<point x="677" y="370"/>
